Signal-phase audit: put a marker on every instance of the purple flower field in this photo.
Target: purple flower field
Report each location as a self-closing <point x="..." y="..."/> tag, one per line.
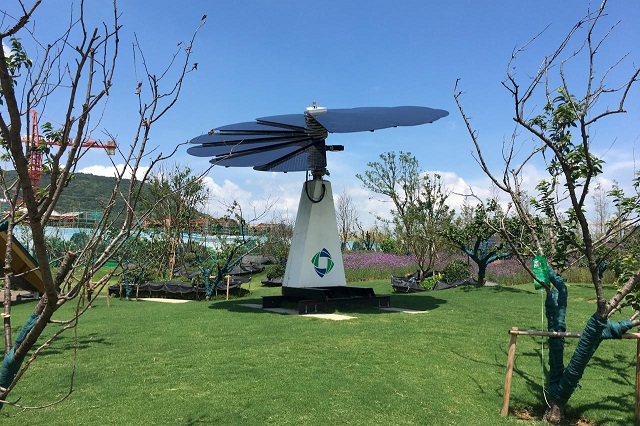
<point x="355" y="260"/>
<point x="363" y="266"/>
<point x="366" y="266"/>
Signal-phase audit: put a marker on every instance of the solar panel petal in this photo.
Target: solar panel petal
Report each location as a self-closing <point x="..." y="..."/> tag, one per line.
<point x="255" y="158"/>
<point x="231" y="148"/>
<point x="310" y="158"/>
<point x="375" y="118"/>
<point x="294" y="120"/>
<point x="222" y="139"/>
<point x="255" y="127"/>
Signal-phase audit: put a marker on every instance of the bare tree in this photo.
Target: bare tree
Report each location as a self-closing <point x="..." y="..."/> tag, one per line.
<point x="560" y="228"/>
<point x="347" y="216"/>
<point x="601" y="212"/>
<point x="368" y="238"/>
<point x="77" y="70"/>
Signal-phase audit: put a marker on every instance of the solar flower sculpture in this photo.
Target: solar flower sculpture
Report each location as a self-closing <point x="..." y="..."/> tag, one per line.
<point x="297" y="142"/>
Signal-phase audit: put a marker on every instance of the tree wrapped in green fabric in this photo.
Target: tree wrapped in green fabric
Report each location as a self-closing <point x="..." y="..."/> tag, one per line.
<point x="555" y="222"/>
<point x="231" y="247"/>
<point x="479" y="237"/>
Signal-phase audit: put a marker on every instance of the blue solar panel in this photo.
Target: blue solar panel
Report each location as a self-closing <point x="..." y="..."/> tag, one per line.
<point x="376" y="118"/>
<point x="311" y="158"/>
<point x="254" y="127"/>
<point x="294" y="120"/>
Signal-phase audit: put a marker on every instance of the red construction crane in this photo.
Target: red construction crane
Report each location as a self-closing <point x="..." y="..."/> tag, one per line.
<point x="35" y="165"/>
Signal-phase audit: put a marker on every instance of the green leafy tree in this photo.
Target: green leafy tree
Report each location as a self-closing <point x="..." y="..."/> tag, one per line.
<point x="420" y="211"/>
<point x="389" y="245"/>
<point x="230" y="248"/>
<point x="75" y="72"/>
<point x="139" y="263"/>
<point x="174" y="197"/>
<point x="561" y="231"/>
<point x="277" y="239"/>
<point x="479" y="237"/>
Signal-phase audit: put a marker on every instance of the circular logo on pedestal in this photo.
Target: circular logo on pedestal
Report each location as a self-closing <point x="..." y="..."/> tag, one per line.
<point x="322" y="262"/>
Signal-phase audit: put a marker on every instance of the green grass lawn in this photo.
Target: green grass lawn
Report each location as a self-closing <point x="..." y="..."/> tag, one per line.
<point x="219" y="363"/>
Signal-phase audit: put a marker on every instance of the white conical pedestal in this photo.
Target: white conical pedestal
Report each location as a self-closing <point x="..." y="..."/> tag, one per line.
<point x="315" y="258"/>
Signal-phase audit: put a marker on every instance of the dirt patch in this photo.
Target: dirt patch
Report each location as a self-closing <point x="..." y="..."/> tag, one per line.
<point x="525" y="414"/>
<point x="529" y="414"/>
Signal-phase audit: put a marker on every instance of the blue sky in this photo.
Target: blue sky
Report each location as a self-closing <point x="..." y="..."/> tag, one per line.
<point x="259" y="58"/>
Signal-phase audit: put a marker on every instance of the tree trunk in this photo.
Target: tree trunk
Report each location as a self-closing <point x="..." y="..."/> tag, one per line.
<point x="11" y="364"/>
<point x="482" y="272"/>
<point x="564" y="381"/>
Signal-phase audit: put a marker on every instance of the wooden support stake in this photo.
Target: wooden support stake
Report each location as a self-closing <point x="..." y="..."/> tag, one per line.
<point x="507" y="381"/>
<point x="90" y="289"/>
<point x="514" y="332"/>
<point x="228" y="282"/>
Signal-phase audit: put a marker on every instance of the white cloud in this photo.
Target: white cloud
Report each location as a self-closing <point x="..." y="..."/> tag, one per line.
<point x="460" y="189"/>
<point x="6" y="50"/>
<point x="620" y="164"/>
<point x="280" y="193"/>
<point x="272" y="198"/>
<point x="110" y="171"/>
<point x="368" y="204"/>
<point x="222" y="195"/>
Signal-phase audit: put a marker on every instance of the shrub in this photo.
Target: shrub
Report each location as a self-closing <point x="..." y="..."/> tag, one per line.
<point x="455" y="270"/>
<point x="389" y="245"/>
<point x="274" y="271"/>
<point x="136" y="274"/>
<point x="429" y="282"/>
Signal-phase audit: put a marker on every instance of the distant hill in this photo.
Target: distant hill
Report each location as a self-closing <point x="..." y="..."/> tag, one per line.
<point x="88" y="192"/>
<point x="84" y="192"/>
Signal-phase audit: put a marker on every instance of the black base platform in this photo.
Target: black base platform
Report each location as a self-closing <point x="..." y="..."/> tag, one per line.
<point x="326" y="299"/>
